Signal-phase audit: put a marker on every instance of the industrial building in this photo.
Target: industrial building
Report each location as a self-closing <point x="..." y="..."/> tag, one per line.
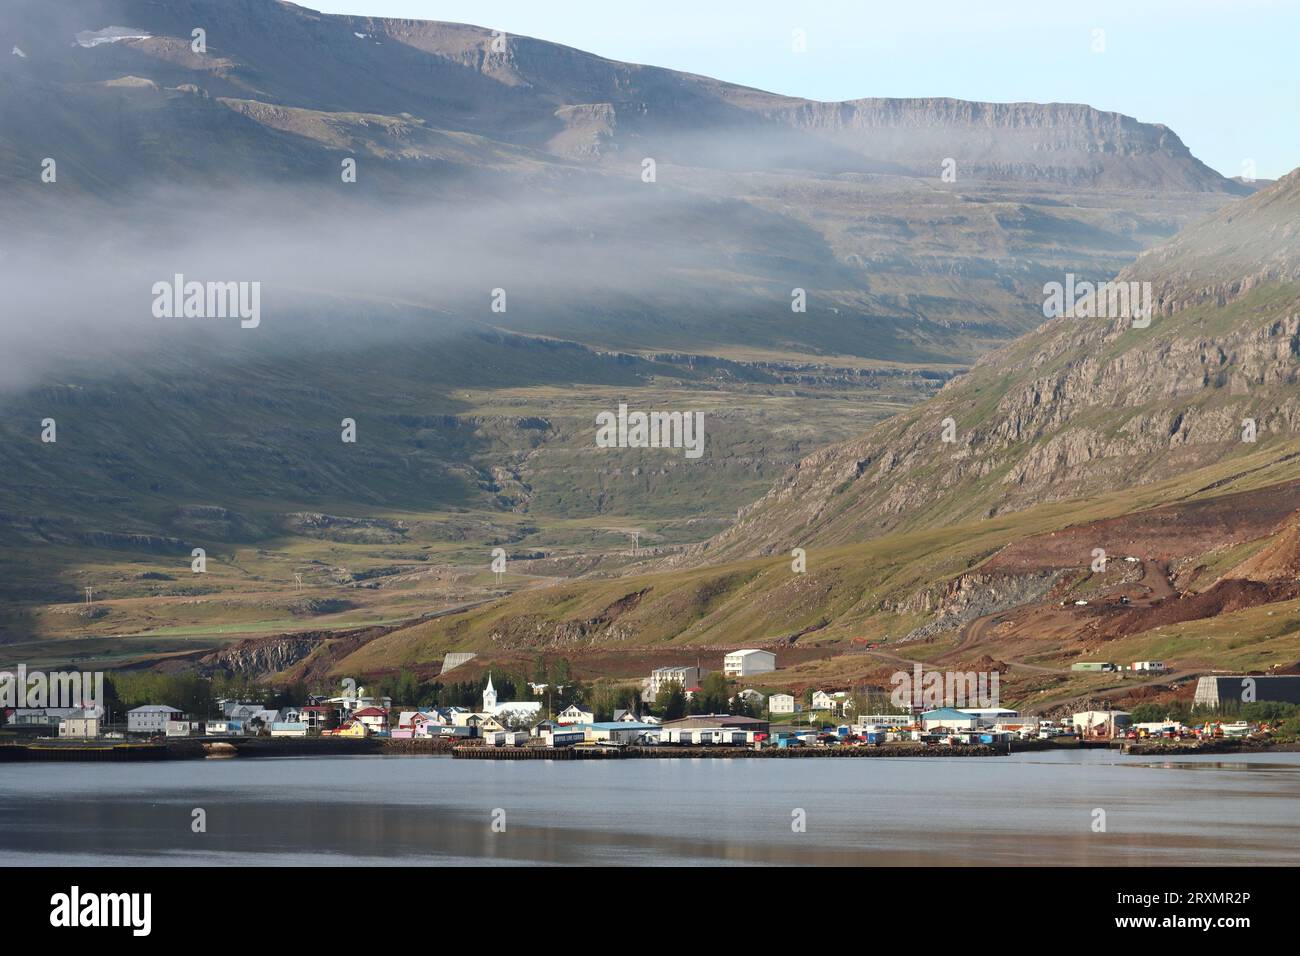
<point x="1216" y="692"/>
<point x="719" y="721"/>
<point x="1101" y="723"/>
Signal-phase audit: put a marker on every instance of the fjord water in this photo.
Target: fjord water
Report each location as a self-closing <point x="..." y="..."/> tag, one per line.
<point x="1033" y="808"/>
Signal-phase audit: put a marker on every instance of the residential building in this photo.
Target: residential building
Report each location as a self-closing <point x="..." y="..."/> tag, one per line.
<point x="150" y="719"/>
<point x="374" y="719"/>
<point x="423" y="723"/>
<point x="183" y="728"/>
<point x="46" y="718"/>
<point x="783" y="704"/>
<point x="749" y="661"/>
<point x="752" y="697"/>
<point x="661" y="677"/>
<point x="573" y="714"/>
<point x="832" y="701"/>
<point x="288" y="728"/>
<point x="350" y="728"/>
<point x="318" y="716"/>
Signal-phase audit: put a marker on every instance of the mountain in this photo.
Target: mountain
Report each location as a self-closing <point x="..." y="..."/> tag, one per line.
<point x="1080" y="404"/>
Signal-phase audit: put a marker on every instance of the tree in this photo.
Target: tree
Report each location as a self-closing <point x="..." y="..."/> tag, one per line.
<point x="670" y="702"/>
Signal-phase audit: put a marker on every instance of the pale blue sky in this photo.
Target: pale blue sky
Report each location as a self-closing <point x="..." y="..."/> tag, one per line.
<point x="1222" y="74"/>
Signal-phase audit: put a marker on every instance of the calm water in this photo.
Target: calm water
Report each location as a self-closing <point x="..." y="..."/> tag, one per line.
<point x="1026" y="809"/>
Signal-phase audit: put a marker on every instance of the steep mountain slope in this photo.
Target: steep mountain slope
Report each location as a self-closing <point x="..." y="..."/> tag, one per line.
<point x="1081" y="404"/>
<point x="917" y="591"/>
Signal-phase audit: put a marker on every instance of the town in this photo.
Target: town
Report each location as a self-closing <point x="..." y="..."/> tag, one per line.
<point x="664" y="714"/>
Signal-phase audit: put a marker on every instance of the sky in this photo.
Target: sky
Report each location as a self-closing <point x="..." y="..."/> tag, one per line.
<point x="1220" y="73"/>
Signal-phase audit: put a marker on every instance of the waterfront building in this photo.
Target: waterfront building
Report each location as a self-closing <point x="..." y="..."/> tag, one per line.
<point x="948" y="718"/>
<point x="150" y="718"/>
<point x="81" y="723"/>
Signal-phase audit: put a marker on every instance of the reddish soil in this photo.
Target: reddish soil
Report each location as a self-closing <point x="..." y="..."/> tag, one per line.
<point x="1168" y="533"/>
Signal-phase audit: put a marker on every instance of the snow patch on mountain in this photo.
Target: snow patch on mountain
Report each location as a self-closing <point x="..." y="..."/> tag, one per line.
<point x="91" y="38"/>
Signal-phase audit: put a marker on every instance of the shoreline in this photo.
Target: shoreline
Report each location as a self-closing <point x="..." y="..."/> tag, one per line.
<point x="191" y="748"/>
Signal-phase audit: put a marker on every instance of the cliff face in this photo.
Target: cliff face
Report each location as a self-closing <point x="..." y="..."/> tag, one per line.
<point x="1081" y="405"/>
<point x="575" y="104"/>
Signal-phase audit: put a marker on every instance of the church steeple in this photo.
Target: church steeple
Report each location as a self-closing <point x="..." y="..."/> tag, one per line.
<point x="489" y="696"/>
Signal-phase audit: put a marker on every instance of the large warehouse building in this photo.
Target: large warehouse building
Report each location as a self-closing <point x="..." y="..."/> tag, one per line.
<point x="1216" y="691"/>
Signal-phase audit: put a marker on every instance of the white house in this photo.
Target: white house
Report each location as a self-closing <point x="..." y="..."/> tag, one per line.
<point x="184" y="728"/>
<point x="746" y="662"/>
<point x="573" y="714"/>
<point x="821" y="700"/>
<point x="1150" y="667"/>
<point x="783" y="704"/>
<point x="150" y="719"/>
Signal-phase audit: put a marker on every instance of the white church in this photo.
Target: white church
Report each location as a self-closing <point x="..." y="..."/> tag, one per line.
<point x="522" y="710"/>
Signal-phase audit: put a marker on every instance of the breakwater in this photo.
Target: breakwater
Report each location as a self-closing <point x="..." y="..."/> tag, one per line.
<point x="669" y="752"/>
<point x="198" y="748"/>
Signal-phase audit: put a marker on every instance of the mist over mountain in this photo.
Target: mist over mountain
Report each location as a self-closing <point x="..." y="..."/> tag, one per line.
<point x="493" y="161"/>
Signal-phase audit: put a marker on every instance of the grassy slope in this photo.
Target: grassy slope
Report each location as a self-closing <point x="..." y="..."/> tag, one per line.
<point x="760" y="600"/>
